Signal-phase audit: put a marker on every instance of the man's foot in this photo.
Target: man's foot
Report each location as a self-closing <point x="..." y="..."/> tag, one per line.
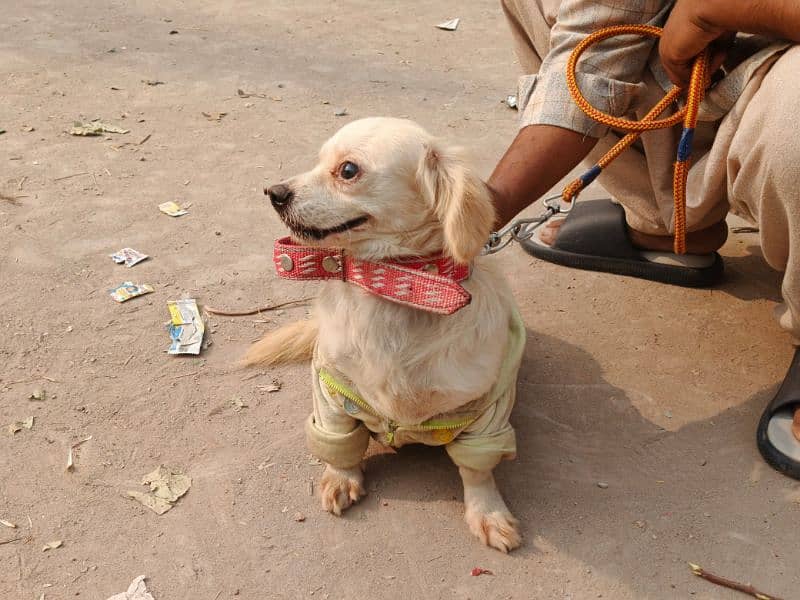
<point x="704" y="241"/>
<point x="595" y="236"/>
<point x="778" y="434"/>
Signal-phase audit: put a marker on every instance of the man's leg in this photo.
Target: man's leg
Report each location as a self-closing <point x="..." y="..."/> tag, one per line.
<point x="763" y="181"/>
<point x="641" y="178"/>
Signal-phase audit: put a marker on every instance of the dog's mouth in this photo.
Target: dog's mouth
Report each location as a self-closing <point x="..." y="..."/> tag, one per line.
<point x="315" y="233"/>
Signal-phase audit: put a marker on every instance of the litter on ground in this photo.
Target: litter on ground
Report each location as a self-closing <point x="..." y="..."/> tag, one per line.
<point x="38" y="395"/>
<point x="128" y="290"/>
<point x="216" y="116"/>
<point x="94" y="128"/>
<point x="167" y="485"/>
<point x="172" y="209"/>
<point x="242" y="94"/>
<point x="128" y="256"/>
<point x="449" y="25"/>
<point x="70" y="455"/>
<point x="52" y="545"/>
<point x="275" y="386"/>
<point x="137" y="590"/>
<point x="20" y="425"/>
<point x="186" y="327"/>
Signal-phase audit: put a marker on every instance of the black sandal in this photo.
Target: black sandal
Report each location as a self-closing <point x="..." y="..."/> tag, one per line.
<point x="776" y="442"/>
<point x="594" y="237"/>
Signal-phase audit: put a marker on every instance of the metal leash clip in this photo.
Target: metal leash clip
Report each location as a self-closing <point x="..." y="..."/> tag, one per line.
<point x="522" y="230"/>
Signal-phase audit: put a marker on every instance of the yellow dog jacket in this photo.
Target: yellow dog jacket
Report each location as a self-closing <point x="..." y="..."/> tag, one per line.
<point x="477" y="435"/>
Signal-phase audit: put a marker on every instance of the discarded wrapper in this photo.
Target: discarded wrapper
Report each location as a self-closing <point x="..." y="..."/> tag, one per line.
<point x="186" y="328"/>
<point x="173" y="209"/>
<point x="95" y="128"/>
<point x="129" y="256"/>
<point x="449" y="25"/>
<point x="128" y="290"/>
<point x="137" y="590"/>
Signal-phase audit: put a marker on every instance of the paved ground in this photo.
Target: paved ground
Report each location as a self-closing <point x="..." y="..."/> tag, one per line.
<point x="654" y="390"/>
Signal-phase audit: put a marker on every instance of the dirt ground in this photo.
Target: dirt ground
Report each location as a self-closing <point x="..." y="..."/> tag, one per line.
<point x="653" y="390"/>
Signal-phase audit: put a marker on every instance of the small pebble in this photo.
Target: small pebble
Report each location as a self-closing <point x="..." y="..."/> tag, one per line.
<point x="299" y="517"/>
<point x="602" y="485"/>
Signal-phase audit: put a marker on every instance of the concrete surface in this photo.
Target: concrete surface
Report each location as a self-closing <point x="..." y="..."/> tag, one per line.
<point x="653" y="390"/>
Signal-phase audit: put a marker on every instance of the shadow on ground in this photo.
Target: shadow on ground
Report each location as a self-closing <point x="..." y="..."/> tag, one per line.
<point x="575" y="431"/>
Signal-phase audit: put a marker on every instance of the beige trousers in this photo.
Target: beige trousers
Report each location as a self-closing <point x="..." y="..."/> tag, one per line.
<point x="747" y="162"/>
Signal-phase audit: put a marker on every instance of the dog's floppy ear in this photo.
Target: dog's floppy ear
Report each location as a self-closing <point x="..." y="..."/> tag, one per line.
<point x="461" y="201"/>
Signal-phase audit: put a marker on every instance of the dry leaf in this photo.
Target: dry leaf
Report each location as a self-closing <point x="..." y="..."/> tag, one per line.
<point x="166" y="486"/>
<point x="20" y="425"/>
<point x="52" y="545"/>
<point x="157" y="505"/>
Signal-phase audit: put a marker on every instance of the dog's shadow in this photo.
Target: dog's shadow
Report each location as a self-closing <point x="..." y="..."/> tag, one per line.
<point x="597" y="479"/>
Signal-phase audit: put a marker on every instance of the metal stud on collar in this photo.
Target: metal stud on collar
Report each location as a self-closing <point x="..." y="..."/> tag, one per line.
<point x="331" y="265"/>
<point x="286" y="262"/>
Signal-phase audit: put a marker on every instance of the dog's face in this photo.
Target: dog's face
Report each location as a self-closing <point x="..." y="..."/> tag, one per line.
<point x="384" y="187"/>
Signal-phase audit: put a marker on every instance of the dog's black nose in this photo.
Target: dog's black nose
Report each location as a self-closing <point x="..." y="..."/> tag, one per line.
<point x="280" y="195"/>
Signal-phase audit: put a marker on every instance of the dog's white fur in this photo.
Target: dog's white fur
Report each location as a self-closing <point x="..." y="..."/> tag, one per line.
<point x="421" y="198"/>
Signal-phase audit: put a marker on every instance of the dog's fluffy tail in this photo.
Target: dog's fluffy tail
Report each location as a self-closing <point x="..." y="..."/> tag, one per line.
<point x="291" y="343"/>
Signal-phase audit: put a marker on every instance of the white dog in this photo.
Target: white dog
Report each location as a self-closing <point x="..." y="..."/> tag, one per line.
<point x="390" y="204"/>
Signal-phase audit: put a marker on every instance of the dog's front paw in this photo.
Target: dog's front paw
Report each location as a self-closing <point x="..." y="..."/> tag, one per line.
<point x="341" y="488"/>
<point x="497" y="529"/>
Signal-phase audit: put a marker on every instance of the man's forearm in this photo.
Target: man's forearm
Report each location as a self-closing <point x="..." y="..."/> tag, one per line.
<point x="779" y="18"/>
<point x="694" y="25"/>
<point x="539" y="157"/>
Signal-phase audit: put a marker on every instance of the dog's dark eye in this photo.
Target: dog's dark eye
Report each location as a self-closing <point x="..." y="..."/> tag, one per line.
<point x="348" y="170"/>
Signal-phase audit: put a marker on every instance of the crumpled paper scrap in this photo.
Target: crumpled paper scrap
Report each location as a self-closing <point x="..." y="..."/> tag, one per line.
<point x="20" y="425"/>
<point x="166" y="486"/>
<point x="95" y="128"/>
<point x="186" y="327"/>
<point x="137" y="590"/>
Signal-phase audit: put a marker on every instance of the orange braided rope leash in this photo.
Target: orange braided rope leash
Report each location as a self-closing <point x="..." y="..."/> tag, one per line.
<point x="687" y="114"/>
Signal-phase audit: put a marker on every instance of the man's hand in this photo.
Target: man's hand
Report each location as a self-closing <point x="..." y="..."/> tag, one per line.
<point x="686" y="34"/>
<point x="695" y="25"/>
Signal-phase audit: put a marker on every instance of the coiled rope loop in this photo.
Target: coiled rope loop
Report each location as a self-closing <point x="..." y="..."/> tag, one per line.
<point x="687" y="114"/>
